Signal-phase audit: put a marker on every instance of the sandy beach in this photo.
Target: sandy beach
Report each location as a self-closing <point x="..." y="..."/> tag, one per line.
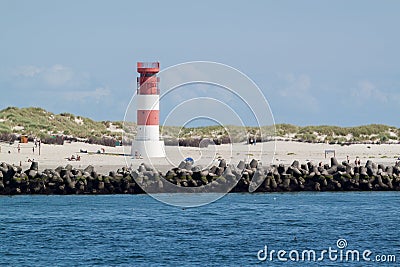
<point x="52" y="156"/>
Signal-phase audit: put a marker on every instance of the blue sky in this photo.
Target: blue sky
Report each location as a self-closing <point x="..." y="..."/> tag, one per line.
<point x="317" y="62"/>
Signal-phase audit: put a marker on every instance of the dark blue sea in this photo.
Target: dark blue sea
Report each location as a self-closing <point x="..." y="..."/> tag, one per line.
<point x="237" y="230"/>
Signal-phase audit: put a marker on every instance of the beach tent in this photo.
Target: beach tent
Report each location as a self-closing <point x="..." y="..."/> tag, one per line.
<point x="24" y="139"/>
<point x="189" y="160"/>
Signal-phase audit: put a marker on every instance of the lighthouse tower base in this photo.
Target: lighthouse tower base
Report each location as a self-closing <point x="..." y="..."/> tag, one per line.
<point x="148" y="149"/>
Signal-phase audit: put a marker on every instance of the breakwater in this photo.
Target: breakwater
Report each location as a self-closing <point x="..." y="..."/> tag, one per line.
<point x="221" y="177"/>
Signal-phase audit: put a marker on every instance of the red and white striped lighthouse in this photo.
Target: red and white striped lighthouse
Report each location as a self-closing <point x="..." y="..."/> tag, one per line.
<point x="147" y="142"/>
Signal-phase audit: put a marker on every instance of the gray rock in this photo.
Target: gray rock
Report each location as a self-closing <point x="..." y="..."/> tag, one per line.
<point x="363" y="171"/>
<point x="69" y="167"/>
<point x="241" y="165"/>
<point x="141" y="169"/>
<point x="32" y="174"/>
<point x="341" y="168"/>
<point x="296" y="172"/>
<point x="89" y="169"/>
<point x="219" y="171"/>
<point x="227" y="171"/>
<point x="100" y="186"/>
<point x="182" y="165"/>
<point x="296" y="164"/>
<point x="389" y="170"/>
<point x="317" y="186"/>
<point x="281" y="169"/>
<point x="204" y="172"/>
<point x="305" y="167"/>
<point x="332" y="170"/>
<point x="253" y="163"/>
<point x="188" y="165"/>
<point x="196" y="169"/>
<point x="34" y="166"/>
<point x="222" y="163"/>
<point x="374" y="165"/>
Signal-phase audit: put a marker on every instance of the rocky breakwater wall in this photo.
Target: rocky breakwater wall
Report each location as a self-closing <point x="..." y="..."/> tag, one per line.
<point x="329" y="177"/>
<point x="223" y="177"/>
<point x="64" y="180"/>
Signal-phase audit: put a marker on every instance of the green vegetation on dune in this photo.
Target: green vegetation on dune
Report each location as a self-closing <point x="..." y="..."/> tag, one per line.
<point x="324" y="133"/>
<point x="41" y="123"/>
<point x="228" y="132"/>
<point x="355" y="131"/>
<point x="286" y="129"/>
<point x="336" y="134"/>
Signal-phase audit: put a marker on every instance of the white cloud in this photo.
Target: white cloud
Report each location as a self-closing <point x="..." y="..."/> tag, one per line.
<point x="27" y="71"/>
<point x="366" y="90"/>
<point x="56" y="76"/>
<point x="84" y="96"/>
<point x="295" y="85"/>
<point x="297" y="88"/>
<point x="57" y="82"/>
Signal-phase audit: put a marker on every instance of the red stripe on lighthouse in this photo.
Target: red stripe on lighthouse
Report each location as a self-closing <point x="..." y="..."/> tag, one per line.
<point x="148" y="85"/>
<point x="148" y="89"/>
<point x="148" y="117"/>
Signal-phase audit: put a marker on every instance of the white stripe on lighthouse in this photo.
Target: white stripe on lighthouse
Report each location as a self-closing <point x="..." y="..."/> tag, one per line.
<point x="148" y="132"/>
<point x="148" y="102"/>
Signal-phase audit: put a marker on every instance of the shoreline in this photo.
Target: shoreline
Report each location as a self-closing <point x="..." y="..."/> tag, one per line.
<point x="284" y="152"/>
<point x="110" y="172"/>
<point x="186" y="178"/>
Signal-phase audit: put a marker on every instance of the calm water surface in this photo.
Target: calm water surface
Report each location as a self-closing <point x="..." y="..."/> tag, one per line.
<point x="136" y="230"/>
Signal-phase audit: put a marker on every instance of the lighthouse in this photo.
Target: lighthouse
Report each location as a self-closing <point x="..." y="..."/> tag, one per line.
<point x="147" y="142"/>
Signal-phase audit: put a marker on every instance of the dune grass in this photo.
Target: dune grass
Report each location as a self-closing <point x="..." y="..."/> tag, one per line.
<point x="38" y="122"/>
<point x="41" y="123"/>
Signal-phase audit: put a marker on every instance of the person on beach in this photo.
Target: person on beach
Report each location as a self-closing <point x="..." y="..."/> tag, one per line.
<point x="357" y="161"/>
<point x="19" y="148"/>
<point x="348" y="159"/>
